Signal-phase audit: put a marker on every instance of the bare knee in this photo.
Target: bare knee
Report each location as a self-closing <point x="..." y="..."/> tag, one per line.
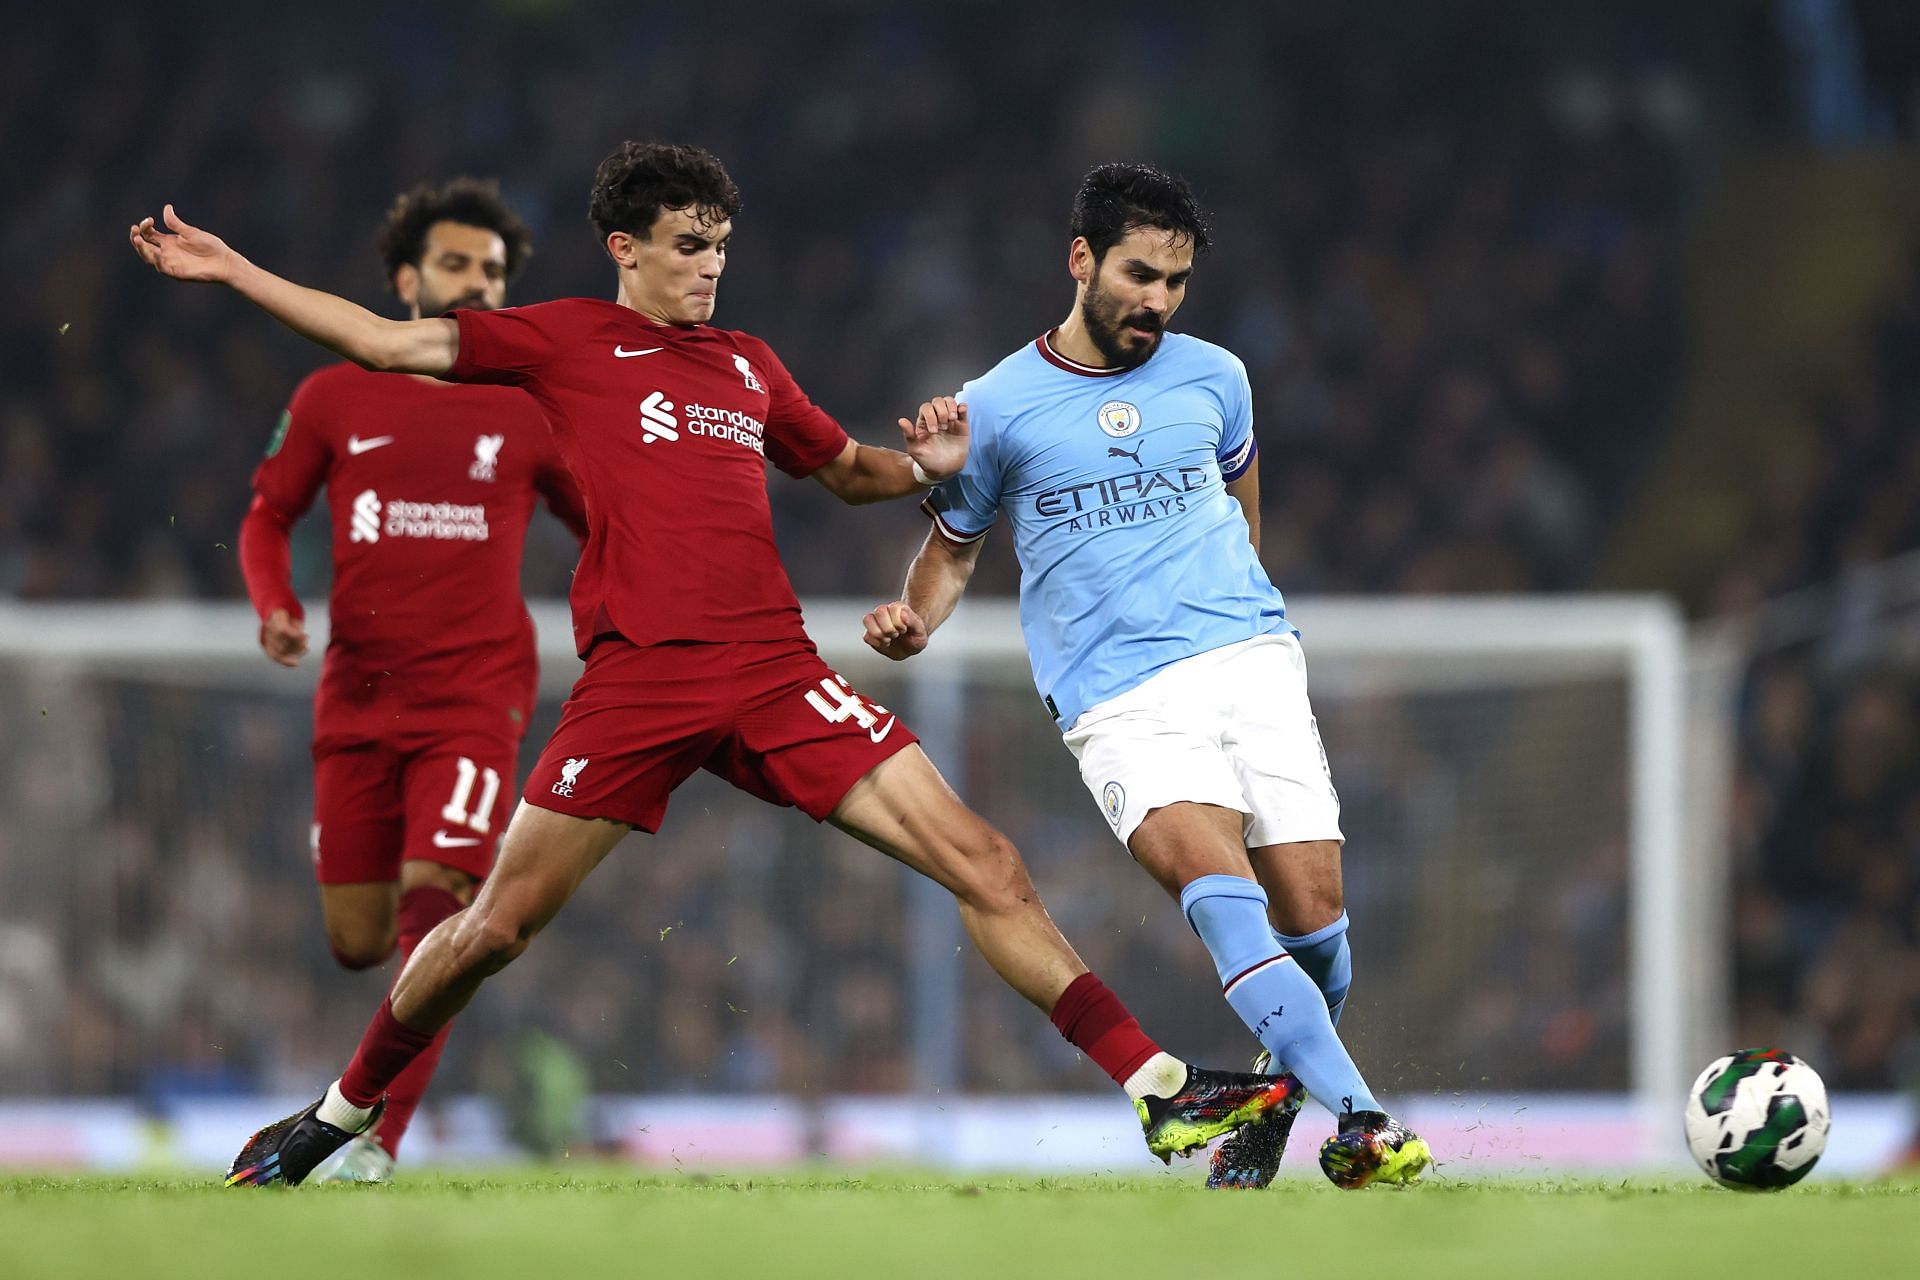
<point x="491" y="937"/>
<point x="1297" y="910"/>
<point x="988" y="874"/>
<point x="361" y="921"/>
<point x="1303" y="884"/>
<point x="418" y="873"/>
<point x="361" y="944"/>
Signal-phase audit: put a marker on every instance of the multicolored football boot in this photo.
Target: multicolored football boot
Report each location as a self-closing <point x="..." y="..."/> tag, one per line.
<point x="287" y="1150"/>
<point x="1250" y="1158"/>
<point x="1371" y="1147"/>
<point x="1209" y="1104"/>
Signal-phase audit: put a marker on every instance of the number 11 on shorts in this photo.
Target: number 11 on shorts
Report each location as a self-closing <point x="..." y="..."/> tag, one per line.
<point x="455" y="810"/>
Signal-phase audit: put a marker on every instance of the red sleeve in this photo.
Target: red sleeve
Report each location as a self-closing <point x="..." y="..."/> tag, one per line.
<point x="562" y="495"/>
<point x="266" y="560"/>
<point x="505" y="347"/>
<point x="801" y="436"/>
<point x="284" y="485"/>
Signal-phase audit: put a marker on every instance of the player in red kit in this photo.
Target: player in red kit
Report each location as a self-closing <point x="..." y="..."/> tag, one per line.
<point x="696" y="657"/>
<point x="430" y="670"/>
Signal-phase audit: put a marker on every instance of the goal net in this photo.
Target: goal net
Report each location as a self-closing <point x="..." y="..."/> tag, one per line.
<point x="1527" y="916"/>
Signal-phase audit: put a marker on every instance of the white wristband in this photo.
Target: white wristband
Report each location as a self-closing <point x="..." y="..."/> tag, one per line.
<point x="921" y="477"/>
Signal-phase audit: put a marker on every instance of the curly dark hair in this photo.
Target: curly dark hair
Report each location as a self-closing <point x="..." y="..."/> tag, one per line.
<point x="1117" y="198"/>
<point x="639" y="179"/>
<point x="471" y="202"/>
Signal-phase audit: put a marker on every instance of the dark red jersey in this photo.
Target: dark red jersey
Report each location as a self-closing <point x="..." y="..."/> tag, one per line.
<point x="430" y="487"/>
<point x="668" y="430"/>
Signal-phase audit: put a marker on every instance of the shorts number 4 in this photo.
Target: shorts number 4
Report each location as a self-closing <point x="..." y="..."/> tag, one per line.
<point x="837" y="703"/>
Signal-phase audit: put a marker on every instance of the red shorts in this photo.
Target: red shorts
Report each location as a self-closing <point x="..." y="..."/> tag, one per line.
<point x="768" y="716"/>
<point x="375" y="807"/>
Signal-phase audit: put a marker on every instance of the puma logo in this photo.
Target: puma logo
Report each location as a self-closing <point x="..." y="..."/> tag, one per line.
<point x="1115" y="451"/>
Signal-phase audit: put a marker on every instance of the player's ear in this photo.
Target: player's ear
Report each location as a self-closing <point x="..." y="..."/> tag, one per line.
<point x="1080" y="263"/>
<point x="620" y="248"/>
<point x="406" y="283"/>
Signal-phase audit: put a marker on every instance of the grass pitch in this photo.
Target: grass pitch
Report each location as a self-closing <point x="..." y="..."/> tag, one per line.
<point x="576" y="1225"/>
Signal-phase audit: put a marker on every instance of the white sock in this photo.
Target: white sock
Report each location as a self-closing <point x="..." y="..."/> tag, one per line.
<point x="341" y="1114"/>
<point x="1160" y="1076"/>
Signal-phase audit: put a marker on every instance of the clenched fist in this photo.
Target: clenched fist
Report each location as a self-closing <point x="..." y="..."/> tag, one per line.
<point x="283" y="638"/>
<point x="895" y="631"/>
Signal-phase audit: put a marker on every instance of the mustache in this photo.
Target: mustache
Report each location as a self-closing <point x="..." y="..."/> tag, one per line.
<point x="1144" y="320"/>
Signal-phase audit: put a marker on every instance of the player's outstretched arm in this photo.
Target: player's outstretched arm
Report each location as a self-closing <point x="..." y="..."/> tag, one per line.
<point x="935" y="582"/>
<point x="404" y="346"/>
<point x="936" y="449"/>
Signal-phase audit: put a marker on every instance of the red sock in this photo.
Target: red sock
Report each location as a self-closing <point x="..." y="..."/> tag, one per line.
<point x="404" y="1094"/>
<point x="1095" y="1022"/>
<point x="385" y="1050"/>
<point x="420" y="910"/>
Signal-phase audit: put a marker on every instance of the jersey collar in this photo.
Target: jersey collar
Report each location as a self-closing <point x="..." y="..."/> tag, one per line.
<point x="1044" y="345"/>
<point x="653" y="327"/>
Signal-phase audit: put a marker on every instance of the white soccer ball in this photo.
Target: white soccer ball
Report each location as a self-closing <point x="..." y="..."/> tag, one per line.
<point x="1757" y="1120"/>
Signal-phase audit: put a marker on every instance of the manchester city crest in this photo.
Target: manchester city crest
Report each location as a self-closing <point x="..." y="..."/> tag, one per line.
<point x="1119" y="419"/>
<point x="1113" y="799"/>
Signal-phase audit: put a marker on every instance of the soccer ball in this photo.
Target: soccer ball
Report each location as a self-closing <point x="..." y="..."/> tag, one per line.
<point x="1757" y="1120"/>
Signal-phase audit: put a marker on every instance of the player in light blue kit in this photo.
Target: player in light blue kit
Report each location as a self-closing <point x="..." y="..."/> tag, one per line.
<point x="1123" y="456"/>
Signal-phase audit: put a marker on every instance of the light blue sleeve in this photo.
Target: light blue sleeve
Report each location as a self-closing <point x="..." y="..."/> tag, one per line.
<point x="965" y="507"/>
<point x="1237" y="445"/>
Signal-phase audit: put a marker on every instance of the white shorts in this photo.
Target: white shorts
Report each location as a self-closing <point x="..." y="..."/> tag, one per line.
<point x="1230" y="727"/>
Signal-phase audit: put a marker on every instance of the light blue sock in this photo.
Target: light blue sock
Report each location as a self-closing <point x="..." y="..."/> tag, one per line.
<point x="1275" y="998"/>
<point x="1324" y="956"/>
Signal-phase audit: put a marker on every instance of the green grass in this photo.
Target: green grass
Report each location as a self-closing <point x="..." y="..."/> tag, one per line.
<point x="606" y="1222"/>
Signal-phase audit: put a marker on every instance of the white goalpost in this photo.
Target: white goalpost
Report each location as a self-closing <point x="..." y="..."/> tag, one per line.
<point x="1678" y="991"/>
<point x="1534" y="811"/>
<point x="1674" y="838"/>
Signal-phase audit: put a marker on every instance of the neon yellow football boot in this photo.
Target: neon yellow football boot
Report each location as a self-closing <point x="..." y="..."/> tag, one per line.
<point x="1209" y="1104"/>
<point x="1371" y="1147"/>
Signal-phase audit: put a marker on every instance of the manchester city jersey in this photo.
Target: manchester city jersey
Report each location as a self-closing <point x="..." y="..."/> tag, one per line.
<point x="1133" y="555"/>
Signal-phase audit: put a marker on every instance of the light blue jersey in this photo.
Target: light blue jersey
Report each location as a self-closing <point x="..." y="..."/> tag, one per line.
<point x="1133" y="555"/>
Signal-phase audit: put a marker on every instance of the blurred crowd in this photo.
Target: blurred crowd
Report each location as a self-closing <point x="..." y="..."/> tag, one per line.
<point x="1827" y="819"/>
<point x="1452" y="280"/>
<point x="1453" y="271"/>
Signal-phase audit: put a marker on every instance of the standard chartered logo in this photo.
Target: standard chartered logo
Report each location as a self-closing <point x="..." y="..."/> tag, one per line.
<point x="656" y="419"/>
<point x="366" y="517"/>
<point x="730" y="425"/>
<point x="442" y="521"/>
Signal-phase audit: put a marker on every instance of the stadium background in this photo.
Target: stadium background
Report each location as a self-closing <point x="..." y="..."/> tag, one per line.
<point x="1535" y="299"/>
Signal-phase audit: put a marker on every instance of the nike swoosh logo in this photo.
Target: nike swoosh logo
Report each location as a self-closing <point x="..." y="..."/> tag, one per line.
<point x="622" y="353"/>
<point x="441" y="840"/>
<point x="880" y="734"/>
<point x="356" y="446"/>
